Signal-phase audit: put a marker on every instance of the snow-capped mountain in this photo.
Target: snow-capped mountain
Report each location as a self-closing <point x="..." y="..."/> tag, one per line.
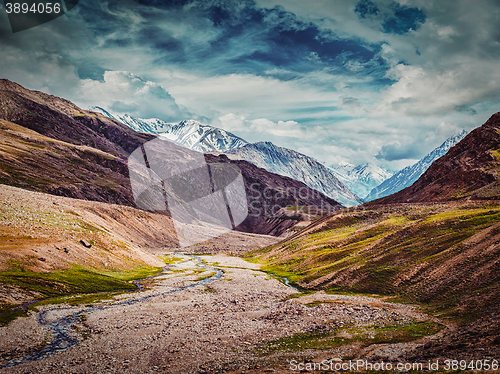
<point x="360" y="179"/>
<point x="297" y="166"/>
<point x="191" y="134"/>
<point x="203" y="138"/>
<point x="409" y="175"/>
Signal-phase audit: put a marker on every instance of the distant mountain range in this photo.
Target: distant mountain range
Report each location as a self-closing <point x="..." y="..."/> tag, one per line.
<point x="361" y="179"/>
<point x="297" y="166"/>
<point x="409" y="175"/>
<point x="347" y="183"/>
<point x="191" y="134"/>
<point x="266" y="155"/>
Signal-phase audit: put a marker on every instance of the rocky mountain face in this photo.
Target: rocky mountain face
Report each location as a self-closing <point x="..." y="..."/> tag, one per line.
<point x="297" y="166"/>
<point x="468" y="170"/>
<point x="190" y="133"/>
<point x="407" y="176"/>
<point x="267" y="195"/>
<point x="361" y="179"/>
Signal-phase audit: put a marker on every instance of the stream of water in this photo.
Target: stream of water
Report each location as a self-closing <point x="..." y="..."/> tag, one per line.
<point x="61" y="328"/>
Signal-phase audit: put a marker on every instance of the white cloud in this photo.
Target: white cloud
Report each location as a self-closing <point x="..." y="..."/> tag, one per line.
<point x="262" y="126"/>
<point x="126" y="93"/>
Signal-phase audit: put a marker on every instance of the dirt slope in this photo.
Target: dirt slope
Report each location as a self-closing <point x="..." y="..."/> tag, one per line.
<point x="45" y="233"/>
<point x="36" y="162"/>
<point x="444" y="256"/>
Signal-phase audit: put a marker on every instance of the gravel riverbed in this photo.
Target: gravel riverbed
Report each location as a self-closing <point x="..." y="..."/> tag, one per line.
<point x="220" y="326"/>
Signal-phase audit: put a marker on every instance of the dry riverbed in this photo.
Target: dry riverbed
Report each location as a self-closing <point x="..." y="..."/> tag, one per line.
<point x="244" y="321"/>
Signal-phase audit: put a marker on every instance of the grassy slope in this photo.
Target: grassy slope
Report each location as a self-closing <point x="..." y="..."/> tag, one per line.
<point x="441" y="255"/>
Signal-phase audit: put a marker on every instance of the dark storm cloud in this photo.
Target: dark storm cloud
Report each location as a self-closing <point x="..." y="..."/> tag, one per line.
<point x="366" y="8"/>
<point x="226" y="37"/>
<point x="405" y="19"/>
<point x="395" y="18"/>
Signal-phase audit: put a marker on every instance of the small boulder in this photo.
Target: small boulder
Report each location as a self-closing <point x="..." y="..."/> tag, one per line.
<point x="85" y="243"/>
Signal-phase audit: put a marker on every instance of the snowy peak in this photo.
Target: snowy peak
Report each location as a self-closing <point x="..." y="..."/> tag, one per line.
<point x="103" y="111"/>
<point x="189" y="133"/>
<point x="204" y="138"/>
<point x="468" y="171"/>
<point x="361" y="179"/>
<point x="297" y="166"/>
<point x="409" y="175"/>
<point x="443" y="148"/>
<point x="152" y="125"/>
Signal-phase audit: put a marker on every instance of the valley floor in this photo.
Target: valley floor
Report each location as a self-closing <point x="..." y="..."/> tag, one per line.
<point x="236" y="320"/>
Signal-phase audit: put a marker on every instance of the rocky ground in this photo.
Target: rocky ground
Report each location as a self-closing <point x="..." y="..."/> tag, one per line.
<point x="224" y="325"/>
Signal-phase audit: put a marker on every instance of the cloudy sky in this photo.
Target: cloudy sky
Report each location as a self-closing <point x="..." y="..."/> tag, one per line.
<point x="382" y="81"/>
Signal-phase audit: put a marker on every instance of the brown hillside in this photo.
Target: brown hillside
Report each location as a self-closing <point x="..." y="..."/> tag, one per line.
<point x="444" y="256"/>
<point x="39" y="163"/>
<point x="62" y="120"/>
<point x="470" y="169"/>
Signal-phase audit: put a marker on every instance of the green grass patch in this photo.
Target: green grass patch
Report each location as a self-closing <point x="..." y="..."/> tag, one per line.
<point x="8" y="314"/>
<point x="298" y="294"/>
<point x="338" y="336"/>
<point x="83" y="285"/>
<point x="133" y="274"/>
<point x="208" y="289"/>
<point x="206" y="276"/>
<point x="280" y="272"/>
<point x="171" y="260"/>
<point x="85" y="299"/>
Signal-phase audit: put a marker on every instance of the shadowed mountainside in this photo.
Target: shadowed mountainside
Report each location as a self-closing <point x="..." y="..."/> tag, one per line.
<point x="267" y="193"/>
<point x="297" y="166"/>
<point x="39" y="163"/>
